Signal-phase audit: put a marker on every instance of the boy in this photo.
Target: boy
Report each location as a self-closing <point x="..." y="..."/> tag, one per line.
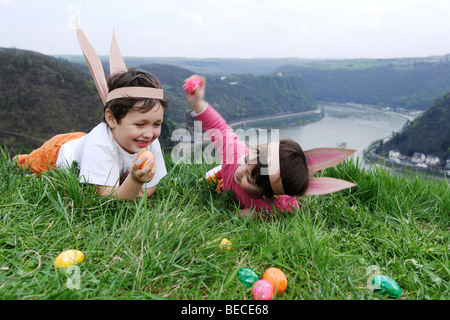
<point x="108" y="156"/>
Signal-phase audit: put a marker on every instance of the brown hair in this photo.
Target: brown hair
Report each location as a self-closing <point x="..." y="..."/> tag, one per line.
<point x="293" y="170"/>
<point x="132" y="78"/>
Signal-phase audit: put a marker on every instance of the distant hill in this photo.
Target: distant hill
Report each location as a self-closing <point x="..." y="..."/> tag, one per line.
<point x="411" y="84"/>
<point x="209" y="66"/>
<point x="428" y="134"/>
<point x="404" y="83"/>
<point x="42" y="96"/>
<point x="238" y="96"/>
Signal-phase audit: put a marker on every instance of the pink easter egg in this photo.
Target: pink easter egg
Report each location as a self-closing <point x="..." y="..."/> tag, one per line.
<point x="262" y="290"/>
<point x="192" y="85"/>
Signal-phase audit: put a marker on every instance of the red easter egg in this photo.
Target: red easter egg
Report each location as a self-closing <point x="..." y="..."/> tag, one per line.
<point x="262" y="290"/>
<point x="192" y="85"/>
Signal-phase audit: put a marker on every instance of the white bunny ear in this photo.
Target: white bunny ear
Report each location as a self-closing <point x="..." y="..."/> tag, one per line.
<point x="322" y="158"/>
<point x="325" y="185"/>
<point x="94" y="64"/>
<point x="116" y="62"/>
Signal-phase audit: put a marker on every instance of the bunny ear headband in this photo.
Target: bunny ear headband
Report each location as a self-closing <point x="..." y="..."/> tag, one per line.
<point x="116" y="64"/>
<point x="317" y="159"/>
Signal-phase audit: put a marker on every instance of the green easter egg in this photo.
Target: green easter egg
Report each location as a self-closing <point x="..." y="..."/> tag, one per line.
<point x="247" y="277"/>
<point x="387" y="286"/>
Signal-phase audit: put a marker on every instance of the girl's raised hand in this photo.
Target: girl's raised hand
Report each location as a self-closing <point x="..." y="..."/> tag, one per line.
<point x="194" y="86"/>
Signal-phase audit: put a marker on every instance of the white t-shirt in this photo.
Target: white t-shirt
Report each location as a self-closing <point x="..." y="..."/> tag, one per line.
<point x="102" y="161"/>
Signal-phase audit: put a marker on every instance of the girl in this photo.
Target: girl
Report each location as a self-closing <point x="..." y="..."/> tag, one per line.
<point x="271" y="176"/>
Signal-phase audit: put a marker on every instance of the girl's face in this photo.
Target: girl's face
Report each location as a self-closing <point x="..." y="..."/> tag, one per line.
<point x="136" y="130"/>
<point x="242" y="176"/>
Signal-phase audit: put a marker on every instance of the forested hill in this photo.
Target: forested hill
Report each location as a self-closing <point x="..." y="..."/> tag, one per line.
<point x="409" y="83"/>
<point x="42" y="96"/>
<point x="238" y="96"/>
<point x="412" y="84"/>
<point x="428" y="134"/>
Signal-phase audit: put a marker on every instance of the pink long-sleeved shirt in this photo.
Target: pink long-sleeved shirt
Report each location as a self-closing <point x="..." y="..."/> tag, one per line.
<point x="230" y="148"/>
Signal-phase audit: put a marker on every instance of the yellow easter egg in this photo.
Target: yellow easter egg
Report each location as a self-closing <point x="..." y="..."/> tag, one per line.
<point x="68" y="258"/>
<point x="225" y="244"/>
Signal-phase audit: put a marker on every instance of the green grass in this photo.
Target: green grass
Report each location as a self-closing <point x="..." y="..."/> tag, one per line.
<point x="163" y="247"/>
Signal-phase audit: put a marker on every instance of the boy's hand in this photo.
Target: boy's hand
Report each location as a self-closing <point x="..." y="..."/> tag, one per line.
<point x="145" y="174"/>
<point x="195" y="100"/>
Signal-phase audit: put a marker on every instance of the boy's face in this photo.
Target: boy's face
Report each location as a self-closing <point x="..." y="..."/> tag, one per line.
<point x="137" y="129"/>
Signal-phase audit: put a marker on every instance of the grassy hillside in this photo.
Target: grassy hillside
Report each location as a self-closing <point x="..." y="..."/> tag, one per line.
<point x="428" y="134"/>
<point x="163" y="247"/>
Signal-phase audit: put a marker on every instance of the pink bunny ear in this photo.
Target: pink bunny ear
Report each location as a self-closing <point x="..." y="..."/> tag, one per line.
<point x="322" y="158"/>
<point x="94" y="64"/>
<point x="326" y="185"/>
<point x="116" y="62"/>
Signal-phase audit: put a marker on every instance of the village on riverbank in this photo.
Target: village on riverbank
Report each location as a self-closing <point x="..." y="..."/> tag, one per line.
<point x="418" y="162"/>
<point x="427" y="164"/>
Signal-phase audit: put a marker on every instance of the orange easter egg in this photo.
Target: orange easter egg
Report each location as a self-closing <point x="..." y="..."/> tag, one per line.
<point x="277" y="278"/>
<point x="150" y="157"/>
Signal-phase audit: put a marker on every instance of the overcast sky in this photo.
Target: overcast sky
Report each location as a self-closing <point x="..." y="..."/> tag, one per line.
<point x="232" y="28"/>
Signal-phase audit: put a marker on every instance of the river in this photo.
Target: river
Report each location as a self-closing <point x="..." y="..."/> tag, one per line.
<point x="357" y="126"/>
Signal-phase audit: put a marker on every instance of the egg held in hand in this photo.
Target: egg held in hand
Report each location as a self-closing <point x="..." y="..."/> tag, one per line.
<point x="149" y="156"/>
<point x="191" y="86"/>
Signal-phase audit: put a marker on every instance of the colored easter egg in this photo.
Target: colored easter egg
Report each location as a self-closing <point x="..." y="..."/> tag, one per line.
<point x="277" y="278"/>
<point x="262" y="290"/>
<point x="191" y="86"/>
<point x="387" y="286"/>
<point x="214" y="174"/>
<point x="247" y="277"/>
<point x="149" y="156"/>
<point x="68" y="258"/>
<point x="225" y="244"/>
<point x="212" y="179"/>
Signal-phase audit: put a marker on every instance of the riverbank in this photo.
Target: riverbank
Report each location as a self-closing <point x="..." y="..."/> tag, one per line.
<point x="371" y="157"/>
<point x="408" y="116"/>
<point x="307" y="117"/>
